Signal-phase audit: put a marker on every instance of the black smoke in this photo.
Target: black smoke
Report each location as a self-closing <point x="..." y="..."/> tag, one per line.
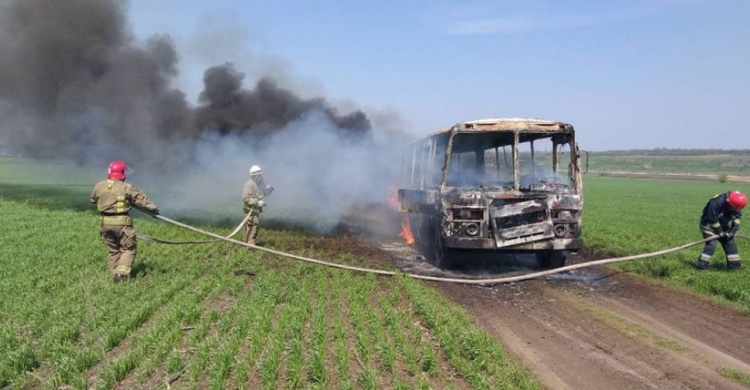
<point x="227" y="107"/>
<point x="76" y="85"/>
<point x="74" y="82"/>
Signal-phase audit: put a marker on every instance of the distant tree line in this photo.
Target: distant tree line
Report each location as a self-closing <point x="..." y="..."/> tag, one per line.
<point x="672" y="152"/>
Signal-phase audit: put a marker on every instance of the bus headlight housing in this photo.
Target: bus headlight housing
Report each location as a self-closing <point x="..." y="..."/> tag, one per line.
<point x="561" y="230"/>
<point x="471" y="229"/>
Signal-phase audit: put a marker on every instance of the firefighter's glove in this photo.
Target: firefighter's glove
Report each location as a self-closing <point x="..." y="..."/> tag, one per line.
<point x="269" y="189"/>
<point x="261" y="203"/>
<point x="733" y="231"/>
<point x="723" y="235"/>
<point x="155" y="212"/>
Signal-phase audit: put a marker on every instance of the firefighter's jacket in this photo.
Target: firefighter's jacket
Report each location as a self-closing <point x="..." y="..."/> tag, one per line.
<point x="252" y="194"/>
<point x="115" y="198"/>
<point x="719" y="216"/>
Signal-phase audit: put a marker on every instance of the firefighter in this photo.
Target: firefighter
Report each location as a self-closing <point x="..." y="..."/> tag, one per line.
<point x="721" y="217"/>
<point x="253" y="193"/>
<point x="114" y="198"/>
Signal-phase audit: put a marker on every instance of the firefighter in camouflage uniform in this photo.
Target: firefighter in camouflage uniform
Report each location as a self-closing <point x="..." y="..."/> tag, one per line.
<point x="114" y="198"/>
<point x="721" y="217"/>
<point x="253" y="193"/>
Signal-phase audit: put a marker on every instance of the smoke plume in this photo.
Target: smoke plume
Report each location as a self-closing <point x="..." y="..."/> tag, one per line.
<point x="75" y="84"/>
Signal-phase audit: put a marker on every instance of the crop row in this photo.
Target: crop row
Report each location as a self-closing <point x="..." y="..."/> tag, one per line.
<point x="188" y="321"/>
<point x="631" y="216"/>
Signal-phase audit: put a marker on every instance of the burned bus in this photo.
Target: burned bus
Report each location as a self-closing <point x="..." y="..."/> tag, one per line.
<point x="504" y="185"/>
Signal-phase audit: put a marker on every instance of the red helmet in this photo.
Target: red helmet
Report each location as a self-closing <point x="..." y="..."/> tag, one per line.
<point x="116" y="170"/>
<point x="737" y="200"/>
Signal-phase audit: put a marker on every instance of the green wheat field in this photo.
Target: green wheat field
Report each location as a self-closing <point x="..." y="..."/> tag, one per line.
<point x="193" y="317"/>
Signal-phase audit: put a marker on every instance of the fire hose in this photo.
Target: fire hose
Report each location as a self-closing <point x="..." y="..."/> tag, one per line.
<point x="230" y="235"/>
<point x="163" y="241"/>
<point x="508" y="279"/>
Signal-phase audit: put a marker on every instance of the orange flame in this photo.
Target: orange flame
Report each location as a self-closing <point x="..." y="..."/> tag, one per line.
<point x="406" y="230"/>
<point x="394" y="204"/>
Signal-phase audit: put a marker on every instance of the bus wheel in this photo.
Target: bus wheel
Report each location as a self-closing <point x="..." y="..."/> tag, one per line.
<point x="551" y="259"/>
<point x="440" y="255"/>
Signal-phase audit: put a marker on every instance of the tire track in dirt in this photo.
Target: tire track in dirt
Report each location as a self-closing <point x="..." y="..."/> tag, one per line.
<point x="598" y="329"/>
<point x="623" y="333"/>
<point x="694" y="319"/>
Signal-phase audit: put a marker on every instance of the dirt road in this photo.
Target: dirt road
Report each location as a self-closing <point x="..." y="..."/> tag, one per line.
<point x="597" y="329"/>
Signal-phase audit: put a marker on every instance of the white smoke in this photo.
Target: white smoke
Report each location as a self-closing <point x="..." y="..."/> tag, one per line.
<point x="75" y="85"/>
<point x="318" y="176"/>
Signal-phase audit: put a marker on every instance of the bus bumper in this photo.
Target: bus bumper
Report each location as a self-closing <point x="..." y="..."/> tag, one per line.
<point x="568" y="244"/>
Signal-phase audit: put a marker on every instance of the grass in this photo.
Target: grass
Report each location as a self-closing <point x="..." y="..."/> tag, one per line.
<point x="739" y="376"/>
<point x="695" y="164"/>
<point x="292" y="325"/>
<point x="631" y="216"/>
<point x="187" y="318"/>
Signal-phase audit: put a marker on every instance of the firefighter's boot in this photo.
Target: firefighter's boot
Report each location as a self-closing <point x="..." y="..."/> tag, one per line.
<point x="732" y="265"/>
<point x="702" y="265"/>
<point x="120" y="278"/>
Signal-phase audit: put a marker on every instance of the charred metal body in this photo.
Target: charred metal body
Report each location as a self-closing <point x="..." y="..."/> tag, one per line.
<point x="509" y="185"/>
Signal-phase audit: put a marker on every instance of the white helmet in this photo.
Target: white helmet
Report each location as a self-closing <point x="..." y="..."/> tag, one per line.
<point x="256" y="170"/>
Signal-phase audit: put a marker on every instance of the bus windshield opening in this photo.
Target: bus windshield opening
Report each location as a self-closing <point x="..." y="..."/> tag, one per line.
<point x="489" y="160"/>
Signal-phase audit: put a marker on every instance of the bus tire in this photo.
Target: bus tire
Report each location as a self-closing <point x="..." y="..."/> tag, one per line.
<point x="440" y="255"/>
<point x="550" y="259"/>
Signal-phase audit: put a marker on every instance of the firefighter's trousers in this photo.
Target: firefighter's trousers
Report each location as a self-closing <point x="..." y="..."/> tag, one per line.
<point x="251" y="228"/>
<point x="729" y="245"/>
<point x="121" y="244"/>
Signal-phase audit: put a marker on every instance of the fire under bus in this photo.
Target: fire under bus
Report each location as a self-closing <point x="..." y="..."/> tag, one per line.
<point x="495" y="185"/>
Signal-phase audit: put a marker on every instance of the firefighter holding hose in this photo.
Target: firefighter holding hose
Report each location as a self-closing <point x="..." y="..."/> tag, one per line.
<point x="114" y="198"/>
<point x="721" y="216"/>
<point x="253" y="193"/>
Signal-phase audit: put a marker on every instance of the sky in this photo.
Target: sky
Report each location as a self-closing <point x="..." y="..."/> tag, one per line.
<point x="626" y="74"/>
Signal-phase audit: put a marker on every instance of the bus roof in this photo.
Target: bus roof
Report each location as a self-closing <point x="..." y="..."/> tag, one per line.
<point x="507" y="124"/>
